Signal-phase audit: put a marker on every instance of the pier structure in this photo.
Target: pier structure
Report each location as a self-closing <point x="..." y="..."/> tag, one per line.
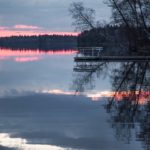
<point x="90" y="54"/>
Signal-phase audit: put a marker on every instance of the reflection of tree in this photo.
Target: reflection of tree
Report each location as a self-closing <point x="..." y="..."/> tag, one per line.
<point x="132" y="83"/>
<point x="124" y="118"/>
<point x="130" y="105"/>
<point x="84" y="79"/>
<point x="144" y="133"/>
<point x="132" y="78"/>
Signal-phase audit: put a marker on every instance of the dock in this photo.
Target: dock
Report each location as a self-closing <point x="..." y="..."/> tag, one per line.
<point x="112" y="58"/>
<point x="95" y="54"/>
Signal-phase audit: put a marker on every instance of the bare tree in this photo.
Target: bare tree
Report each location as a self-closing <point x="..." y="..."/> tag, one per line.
<point x="83" y="17"/>
<point x="135" y="15"/>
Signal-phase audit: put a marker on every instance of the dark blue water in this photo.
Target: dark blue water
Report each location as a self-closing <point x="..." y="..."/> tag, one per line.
<point x="40" y="110"/>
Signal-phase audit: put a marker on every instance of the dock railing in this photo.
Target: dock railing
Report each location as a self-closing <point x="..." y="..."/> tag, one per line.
<point x="89" y="51"/>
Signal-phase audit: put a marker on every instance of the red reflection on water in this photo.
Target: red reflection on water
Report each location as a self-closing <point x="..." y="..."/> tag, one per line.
<point x="26" y="59"/>
<point x="9" y="52"/>
<point x="142" y="98"/>
<point x="3" y="58"/>
<point x="30" y="55"/>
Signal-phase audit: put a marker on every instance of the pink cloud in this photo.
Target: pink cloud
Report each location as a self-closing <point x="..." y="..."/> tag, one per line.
<point x="21" y="26"/>
<point x="29" y="30"/>
<point x="3" y="28"/>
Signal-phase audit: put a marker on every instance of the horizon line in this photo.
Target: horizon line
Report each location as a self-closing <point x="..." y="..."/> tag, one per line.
<point x="10" y="33"/>
<point x="41" y="34"/>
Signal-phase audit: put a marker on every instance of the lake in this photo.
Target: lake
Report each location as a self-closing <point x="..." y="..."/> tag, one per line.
<point x="50" y="102"/>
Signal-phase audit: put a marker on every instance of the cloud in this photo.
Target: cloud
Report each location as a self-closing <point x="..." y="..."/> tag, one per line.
<point x="29" y="31"/>
<point x="3" y="28"/>
<point x="21" y="26"/>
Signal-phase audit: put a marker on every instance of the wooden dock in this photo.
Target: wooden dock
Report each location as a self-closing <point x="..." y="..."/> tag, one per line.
<point x="95" y="54"/>
<point x="111" y="58"/>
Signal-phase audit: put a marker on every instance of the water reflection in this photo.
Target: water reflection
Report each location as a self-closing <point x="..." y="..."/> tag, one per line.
<point x="31" y="55"/>
<point x="87" y="72"/>
<point x="133" y="109"/>
<point x="39" y="109"/>
<point x="56" y="120"/>
<point x="129" y="102"/>
<point x="22" y="144"/>
<point x="29" y="71"/>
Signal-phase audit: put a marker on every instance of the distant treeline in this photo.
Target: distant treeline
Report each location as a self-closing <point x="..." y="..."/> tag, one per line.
<point x="42" y="42"/>
<point x="101" y="35"/>
<point x="112" y="38"/>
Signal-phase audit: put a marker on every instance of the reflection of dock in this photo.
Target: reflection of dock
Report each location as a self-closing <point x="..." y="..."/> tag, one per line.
<point x="111" y="58"/>
<point x="88" y="66"/>
<point x="85" y="67"/>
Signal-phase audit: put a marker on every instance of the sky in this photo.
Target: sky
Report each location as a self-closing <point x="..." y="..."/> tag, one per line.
<point x="43" y="16"/>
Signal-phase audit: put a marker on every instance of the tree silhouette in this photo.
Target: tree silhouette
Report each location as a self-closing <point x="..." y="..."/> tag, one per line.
<point x="83" y="17"/>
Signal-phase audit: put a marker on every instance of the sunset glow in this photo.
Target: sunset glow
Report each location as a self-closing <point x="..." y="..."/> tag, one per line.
<point x="58" y="92"/>
<point x="29" y="30"/>
<point x="30" y="55"/>
<point x="143" y="99"/>
<point x="131" y="95"/>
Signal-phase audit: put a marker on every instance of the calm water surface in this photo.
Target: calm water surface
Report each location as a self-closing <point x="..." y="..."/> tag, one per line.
<point x="45" y="103"/>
